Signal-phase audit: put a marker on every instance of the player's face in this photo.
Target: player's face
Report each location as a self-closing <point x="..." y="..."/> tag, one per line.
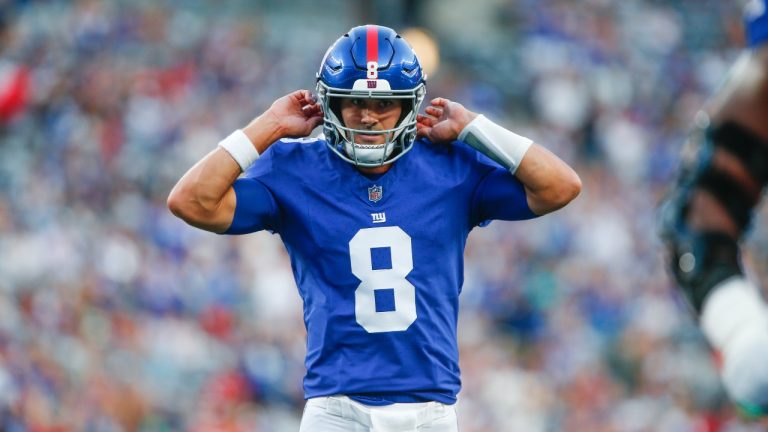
<point x="371" y="114"/>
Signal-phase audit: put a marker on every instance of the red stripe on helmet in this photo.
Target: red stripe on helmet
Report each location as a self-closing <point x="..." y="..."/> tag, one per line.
<point x="372" y="42"/>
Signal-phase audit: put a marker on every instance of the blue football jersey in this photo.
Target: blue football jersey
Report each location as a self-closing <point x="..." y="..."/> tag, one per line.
<point x="756" y="20"/>
<point x="378" y="260"/>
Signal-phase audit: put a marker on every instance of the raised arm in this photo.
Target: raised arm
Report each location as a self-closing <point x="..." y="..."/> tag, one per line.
<point x="549" y="182"/>
<point x="204" y="196"/>
<point x="705" y="215"/>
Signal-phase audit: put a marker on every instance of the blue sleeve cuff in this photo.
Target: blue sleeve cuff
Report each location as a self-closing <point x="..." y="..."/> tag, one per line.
<point x="500" y="195"/>
<point x="255" y="210"/>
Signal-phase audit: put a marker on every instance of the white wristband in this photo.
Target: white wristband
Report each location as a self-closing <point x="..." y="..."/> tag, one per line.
<point x="504" y="146"/>
<point x="240" y="148"/>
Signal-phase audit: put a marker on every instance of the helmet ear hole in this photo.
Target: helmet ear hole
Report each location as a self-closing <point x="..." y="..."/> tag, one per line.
<point x="334" y="103"/>
<point x="407" y="108"/>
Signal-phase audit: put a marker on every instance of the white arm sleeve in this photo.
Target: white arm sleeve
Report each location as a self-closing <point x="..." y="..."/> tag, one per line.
<point x="504" y="146"/>
<point x="735" y="320"/>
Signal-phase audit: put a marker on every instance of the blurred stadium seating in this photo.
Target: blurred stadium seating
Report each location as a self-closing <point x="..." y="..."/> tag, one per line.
<point x="115" y="316"/>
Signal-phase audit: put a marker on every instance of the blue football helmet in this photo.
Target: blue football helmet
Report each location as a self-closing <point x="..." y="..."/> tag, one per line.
<point x="370" y="62"/>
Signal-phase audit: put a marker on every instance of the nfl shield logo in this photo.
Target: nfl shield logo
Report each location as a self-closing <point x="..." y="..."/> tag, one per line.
<point x="375" y="193"/>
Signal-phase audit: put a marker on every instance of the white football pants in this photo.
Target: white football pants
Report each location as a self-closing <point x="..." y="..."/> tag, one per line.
<point x="342" y="414"/>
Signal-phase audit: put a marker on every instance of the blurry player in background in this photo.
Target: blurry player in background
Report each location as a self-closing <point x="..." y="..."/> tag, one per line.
<point x="704" y="218"/>
<point x="375" y="215"/>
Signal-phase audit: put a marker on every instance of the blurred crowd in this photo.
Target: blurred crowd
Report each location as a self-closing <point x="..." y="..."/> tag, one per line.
<point x="116" y="316"/>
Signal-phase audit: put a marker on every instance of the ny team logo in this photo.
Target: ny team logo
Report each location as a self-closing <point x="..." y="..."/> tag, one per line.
<point x="379" y="217"/>
<point x="375" y="193"/>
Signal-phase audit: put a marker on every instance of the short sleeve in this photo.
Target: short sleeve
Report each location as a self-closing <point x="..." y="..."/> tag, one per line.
<point x="256" y="208"/>
<point x="499" y="195"/>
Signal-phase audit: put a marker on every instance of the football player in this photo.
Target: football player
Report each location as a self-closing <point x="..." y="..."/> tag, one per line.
<point x="705" y="216"/>
<point x="374" y="214"/>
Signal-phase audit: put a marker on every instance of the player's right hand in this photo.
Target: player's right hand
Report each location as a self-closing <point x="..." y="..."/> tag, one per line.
<point x="296" y="114"/>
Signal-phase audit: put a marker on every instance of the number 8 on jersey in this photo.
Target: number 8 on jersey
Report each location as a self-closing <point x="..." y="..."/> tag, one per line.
<point x="385" y="280"/>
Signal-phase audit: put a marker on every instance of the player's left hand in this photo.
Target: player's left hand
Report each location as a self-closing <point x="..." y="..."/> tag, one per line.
<point x="444" y="121"/>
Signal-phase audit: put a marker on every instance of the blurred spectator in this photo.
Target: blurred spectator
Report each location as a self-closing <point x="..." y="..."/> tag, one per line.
<point x="116" y="316"/>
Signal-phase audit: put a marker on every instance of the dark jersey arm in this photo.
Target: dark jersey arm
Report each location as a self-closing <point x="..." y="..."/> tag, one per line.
<point x="256" y="208"/>
<point x="499" y="195"/>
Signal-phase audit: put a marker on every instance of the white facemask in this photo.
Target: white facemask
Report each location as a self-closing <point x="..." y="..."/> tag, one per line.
<point x="368" y="153"/>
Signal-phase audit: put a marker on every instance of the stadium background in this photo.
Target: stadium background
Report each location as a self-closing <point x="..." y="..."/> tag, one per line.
<point x="115" y="316"/>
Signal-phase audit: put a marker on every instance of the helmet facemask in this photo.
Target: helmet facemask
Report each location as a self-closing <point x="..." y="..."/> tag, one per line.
<point x="342" y="139"/>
